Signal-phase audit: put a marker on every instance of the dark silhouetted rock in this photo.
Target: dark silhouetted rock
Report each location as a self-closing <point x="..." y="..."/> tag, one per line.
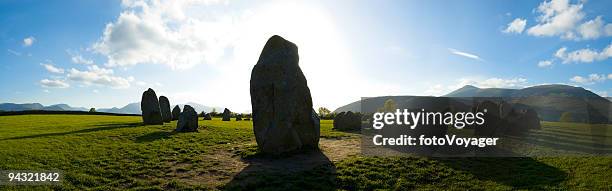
<point x="238" y="117"/>
<point x="207" y="116"/>
<point x="520" y="119"/>
<point x="226" y="115"/>
<point x="164" y="106"/>
<point x="188" y="120"/>
<point x="347" y="121"/>
<point x="149" y="105"/>
<point x="280" y="98"/>
<point x="492" y="118"/>
<point x="176" y="111"/>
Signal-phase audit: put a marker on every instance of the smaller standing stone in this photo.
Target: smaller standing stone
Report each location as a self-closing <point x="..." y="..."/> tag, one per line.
<point x="188" y="120"/>
<point x="238" y="117"/>
<point x="226" y="114"/>
<point x="164" y="106"/>
<point x="207" y="116"/>
<point x="176" y="112"/>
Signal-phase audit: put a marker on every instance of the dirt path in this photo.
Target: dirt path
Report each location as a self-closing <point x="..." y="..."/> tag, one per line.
<point x="226" y="165"/>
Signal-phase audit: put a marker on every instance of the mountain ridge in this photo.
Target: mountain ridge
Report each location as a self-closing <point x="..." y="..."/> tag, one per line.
<point x="131" y="108"/>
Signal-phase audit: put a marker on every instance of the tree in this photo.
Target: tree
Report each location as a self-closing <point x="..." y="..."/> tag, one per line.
<point x="92" y="110"/>
<point x="323" y="112"/>
<point x="389" y="106"/>
<point x="566" y="117"/>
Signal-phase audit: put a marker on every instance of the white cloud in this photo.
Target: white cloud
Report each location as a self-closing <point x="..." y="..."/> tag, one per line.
<point x="183" y="34"/>
<point x="99" y="76"/>
<point x="609" y="76"/>
<point x="584" y="55"/>
<point x="545" y="63"/>
<point x="591" y="79"/>
<point x="14" y="52"/>
<point x="465" y="54"/>
<point x="493" y="83"/>
<point x="47" y="83"/>
<point x="160" y="33"/>
<point x="602" y="93"/>
<point x="440" y="89"/>
<point x="28" y="41"/>
<point x="516" y="26"/>
<point x="78" y="59"/>
<point x="561" y="18"/>
<point x="608" y="29"/>
<point x="436" y="90"/>
<point x="50" y="68"/>
<point x="592" y="29"/>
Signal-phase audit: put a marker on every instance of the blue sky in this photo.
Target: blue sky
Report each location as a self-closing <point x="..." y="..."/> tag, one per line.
<point x="105" y="53"/>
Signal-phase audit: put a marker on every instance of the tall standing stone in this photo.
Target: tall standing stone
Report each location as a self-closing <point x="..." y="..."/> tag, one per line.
<point x="283" y="118"/>
<point x="226" y="114"/>
<point x="149" y="105"/>
<point x="176" y="111"/>
<point x="188" y="120"/>
<point x="164" y="106"/>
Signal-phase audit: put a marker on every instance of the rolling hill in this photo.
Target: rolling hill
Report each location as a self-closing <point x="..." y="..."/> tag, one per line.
<point x="132" y="108"/>
<point x="550" y="101"/>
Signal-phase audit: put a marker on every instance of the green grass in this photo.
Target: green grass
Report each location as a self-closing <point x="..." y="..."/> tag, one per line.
<point x="118" y="153"/>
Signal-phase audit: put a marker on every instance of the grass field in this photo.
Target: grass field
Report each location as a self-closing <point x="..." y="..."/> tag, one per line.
<point x="118" y="153"/>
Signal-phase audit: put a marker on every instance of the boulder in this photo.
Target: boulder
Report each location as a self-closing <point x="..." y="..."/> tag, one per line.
<point x="164" y="106"/>
<point x="520" y="119"/>
<point x="207" y="116"/>
<point x="149" y="105"/>
<point x="226" y="115"/>
<point x="176" y="111"/>
<point x="283" y="118"/>
<point x="188" y="120"/>
<point x="238" y="117"/>
<point x="347" y="121"/>
<point x="492" y="118"/>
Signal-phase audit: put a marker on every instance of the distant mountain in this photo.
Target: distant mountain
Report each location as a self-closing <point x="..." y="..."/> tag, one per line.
<point x="38" y="106"/>
<point x="550" y="101"/>
<point x="132" y="108"/>
<point x="542" y="90"/>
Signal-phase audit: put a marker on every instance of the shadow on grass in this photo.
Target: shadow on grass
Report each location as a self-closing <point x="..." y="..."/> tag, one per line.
<point x="150" y="137"/>
<point x="311" y="170"/>
<point x="100" y="127"/>
<point x="519" y="173"/>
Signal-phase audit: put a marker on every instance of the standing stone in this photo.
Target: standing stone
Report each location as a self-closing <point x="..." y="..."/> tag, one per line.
<point x="207" y="116"/>
<point x="188" y="120"/>
<point x="149" y="105"/>
<point x="176" y="112"/>
<point x="347" y="121"/>
<point x="283" y="118"/>
<point x="226" y="114"/>
<point x="238" y="117"/>
<point x="164" y="106"/>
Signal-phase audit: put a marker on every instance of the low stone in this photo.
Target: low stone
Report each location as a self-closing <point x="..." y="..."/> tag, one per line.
<point x="347" y="121"/>
<point x="238" y="117"/>
<point x="226" y="114"/>
<point x="188" y="120"/>
<point x="207" y="116"/>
